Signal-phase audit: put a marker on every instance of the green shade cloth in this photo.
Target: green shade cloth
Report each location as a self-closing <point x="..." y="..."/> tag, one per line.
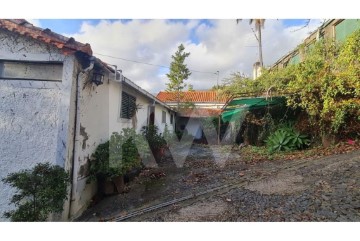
<point x="237" y="106"/>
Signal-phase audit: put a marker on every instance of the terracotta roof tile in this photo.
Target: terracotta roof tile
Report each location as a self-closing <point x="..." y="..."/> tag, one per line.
<point x="191" y="96"/>
<point x="23" y="27"/>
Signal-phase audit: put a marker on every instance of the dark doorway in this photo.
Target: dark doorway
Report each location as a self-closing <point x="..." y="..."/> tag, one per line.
<point x="152" y="115"/>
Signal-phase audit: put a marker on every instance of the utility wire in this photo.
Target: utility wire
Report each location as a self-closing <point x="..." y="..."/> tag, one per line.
<point x="157" y="65"/>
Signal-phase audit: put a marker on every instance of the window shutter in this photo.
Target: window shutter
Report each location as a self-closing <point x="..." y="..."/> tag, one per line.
<point x="128" y="106"/>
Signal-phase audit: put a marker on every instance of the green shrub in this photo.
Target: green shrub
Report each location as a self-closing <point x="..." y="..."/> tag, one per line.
<point x="280" y="140"/>
<point x="154" y="138"/>
<point x="41" y="191"/>
<point x="183" y="136"/>
<point x="286" y="139"/>
<point x="300" y="141"/>
<point x="99" y="165"/>
<point x="118" y="155"/>
<point x="325" y="85"/>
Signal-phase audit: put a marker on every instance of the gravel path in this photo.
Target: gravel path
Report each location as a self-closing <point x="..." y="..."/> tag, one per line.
<point x="325" y="189"/>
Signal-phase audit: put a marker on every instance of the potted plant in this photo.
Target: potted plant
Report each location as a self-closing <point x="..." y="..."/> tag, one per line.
<point x="113" y="159"/>
<point x="156" y="141"/>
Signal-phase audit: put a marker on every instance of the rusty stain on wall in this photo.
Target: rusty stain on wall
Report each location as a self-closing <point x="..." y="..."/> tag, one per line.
<point x="84" y="170"/>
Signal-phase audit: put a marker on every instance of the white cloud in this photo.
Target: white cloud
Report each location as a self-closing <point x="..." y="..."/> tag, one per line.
<point x="221" y="45"/>
<point x="35" y="22"/>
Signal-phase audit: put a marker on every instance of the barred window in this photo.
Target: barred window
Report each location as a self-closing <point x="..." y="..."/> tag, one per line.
<point x="128" y="106"/>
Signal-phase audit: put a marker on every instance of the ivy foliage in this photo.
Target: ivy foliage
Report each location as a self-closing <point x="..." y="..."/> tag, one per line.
<point x="313" y="88"/>
<point x="41" y="191"/>
<point x="326" y="84"/>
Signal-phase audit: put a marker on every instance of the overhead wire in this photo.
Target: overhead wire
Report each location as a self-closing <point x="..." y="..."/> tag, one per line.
<point x="157" y="65"/>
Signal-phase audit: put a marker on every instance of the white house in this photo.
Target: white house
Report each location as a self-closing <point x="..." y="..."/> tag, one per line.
<point x="58" y="103"/>
<point x="194" y="105"/>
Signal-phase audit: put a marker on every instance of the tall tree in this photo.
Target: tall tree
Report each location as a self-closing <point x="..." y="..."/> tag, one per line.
<point x="259" y="24"/>
<point x="178" y="73"/>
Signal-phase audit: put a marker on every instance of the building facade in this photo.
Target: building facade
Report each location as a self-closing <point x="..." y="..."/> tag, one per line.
<point x="336" y="29"/>
<point x="58" y="103"/>
<point x="194" y="106"/>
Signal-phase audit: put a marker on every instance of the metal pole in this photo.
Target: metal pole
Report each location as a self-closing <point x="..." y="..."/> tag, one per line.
<point x="219" y="130"/>
<point x="217" y="95"/>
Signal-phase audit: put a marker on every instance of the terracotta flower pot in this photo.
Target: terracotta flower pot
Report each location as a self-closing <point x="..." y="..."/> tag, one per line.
<point x="108" y="187"/>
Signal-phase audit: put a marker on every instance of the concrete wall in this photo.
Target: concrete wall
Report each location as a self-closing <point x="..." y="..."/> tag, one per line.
<point x="37" y="119"/>
<point x="92" y="130"/>
<point x="327" y="31"/>
<point x="158" y="118"/>
<point x="33" y="114"/>
<point x="143" y="112"/>
<point x="99" y="118"/>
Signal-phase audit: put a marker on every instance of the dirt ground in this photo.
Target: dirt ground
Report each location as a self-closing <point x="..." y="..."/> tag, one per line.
<point x="215" y="184"/>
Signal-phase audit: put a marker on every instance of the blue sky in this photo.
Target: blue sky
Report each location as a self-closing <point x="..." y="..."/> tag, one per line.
<point x="71" y="26"/>
<point x="214" y="45"/>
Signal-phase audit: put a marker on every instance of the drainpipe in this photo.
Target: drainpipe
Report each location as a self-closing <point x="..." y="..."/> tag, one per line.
<point x="76" y="128"/>
<point x="115" y="66"/>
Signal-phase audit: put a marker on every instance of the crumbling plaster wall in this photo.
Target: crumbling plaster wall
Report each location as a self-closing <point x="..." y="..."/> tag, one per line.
<point x="92" y="130"/>
<point x="34" y="115"/>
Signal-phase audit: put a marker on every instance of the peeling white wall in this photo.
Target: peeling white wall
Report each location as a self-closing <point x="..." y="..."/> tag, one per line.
<point x="37" y="119"/>
<point x="92" y="130"/>
<point x="33" y="114"/>
<point x="158" y="118"/>
<point x="141" y="114"/>
<point x="99" y="118"/>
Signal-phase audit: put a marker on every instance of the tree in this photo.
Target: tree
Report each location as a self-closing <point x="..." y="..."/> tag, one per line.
<point x="259" y="24"/>
<point x="238" y="85"/>
<point x="178" y="73"/>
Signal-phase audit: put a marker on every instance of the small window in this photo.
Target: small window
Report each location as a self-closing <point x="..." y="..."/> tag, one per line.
<point x="23" y="70"/>
<point x="345" y="28"/>
<point x="171" y="118"/>
<point x="295" y="59"/>
<point x="163" y="117"/>
<point x="128" y="106"/>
